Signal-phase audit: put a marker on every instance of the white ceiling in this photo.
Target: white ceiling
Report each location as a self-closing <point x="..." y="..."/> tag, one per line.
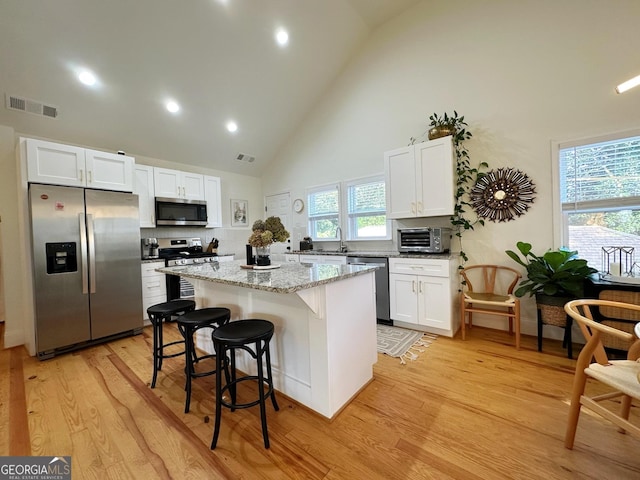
<point x="217" y="58"/>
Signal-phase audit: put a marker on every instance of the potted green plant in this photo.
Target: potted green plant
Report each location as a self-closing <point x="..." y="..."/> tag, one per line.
<point x="553" y="278"/>
<point x="557" y="273"/>
<point x="466" y="175"/>
<point x="444" y="125"/>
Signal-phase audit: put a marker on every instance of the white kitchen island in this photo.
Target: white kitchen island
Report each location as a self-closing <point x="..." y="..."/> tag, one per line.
<point x="324" y="345"/>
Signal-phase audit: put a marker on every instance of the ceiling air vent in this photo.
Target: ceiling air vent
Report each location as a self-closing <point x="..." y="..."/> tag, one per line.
<point x="243" y="157"/>
<point x="22" y="104"/>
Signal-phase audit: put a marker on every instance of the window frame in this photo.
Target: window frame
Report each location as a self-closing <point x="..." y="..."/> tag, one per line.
<point x="312" y="229"/>
<point x="350" y="220"/>
<point x="343" y="216"/>
<point x="560" y="216"/>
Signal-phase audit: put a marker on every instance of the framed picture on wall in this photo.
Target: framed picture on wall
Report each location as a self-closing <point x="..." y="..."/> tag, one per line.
<point x="239" y="213"/>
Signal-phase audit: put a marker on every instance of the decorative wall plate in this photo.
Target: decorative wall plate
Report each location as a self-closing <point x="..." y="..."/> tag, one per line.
<point x="502" y="194"/>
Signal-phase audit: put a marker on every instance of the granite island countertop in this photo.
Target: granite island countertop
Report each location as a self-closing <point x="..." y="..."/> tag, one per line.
<point x="288" y="278"/>
<point x="364" y="253"/>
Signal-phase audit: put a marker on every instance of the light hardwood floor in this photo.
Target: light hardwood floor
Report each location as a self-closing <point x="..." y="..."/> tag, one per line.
<point x="477" y="409"/>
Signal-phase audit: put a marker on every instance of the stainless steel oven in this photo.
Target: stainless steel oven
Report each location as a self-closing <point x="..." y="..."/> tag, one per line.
<point x="182" y="251"/>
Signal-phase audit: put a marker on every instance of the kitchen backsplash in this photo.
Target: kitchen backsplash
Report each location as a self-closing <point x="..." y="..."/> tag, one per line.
<point x="232" y="240"/>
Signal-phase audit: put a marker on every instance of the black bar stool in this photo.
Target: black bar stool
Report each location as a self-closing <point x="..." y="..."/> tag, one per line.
<point x="237" y="335"/>
<point x="157" y="314"/>
<point x="189" y="323"/>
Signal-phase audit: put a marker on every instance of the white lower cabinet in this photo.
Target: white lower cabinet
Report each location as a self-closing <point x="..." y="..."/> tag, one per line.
<point x="324" y="259"/>
<point x="422" y="294"/>
<point x="154" y="287"/>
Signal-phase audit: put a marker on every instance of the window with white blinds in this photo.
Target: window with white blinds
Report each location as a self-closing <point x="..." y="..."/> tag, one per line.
<point x="324" y="211"/>
<point x="366" y="209"/>
<point x="600" y="200"/>
<point x="600" y="175"/>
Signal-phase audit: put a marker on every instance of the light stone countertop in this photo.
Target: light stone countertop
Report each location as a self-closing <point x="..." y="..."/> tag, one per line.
<point x="288" y="278"/>
<point x="364" y="253"/>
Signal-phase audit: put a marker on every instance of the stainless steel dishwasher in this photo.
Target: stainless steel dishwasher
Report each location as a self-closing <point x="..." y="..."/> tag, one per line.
<point x="382" y="285"/>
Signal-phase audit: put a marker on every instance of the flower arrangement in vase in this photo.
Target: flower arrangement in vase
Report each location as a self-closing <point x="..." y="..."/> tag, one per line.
<point x="266" y="232"/>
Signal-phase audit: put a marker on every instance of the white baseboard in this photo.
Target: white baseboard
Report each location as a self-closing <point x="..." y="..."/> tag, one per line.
<point x="13" y="338"/>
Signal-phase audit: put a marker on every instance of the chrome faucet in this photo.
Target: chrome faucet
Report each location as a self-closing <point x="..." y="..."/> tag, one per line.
<point x="343" y="247"/>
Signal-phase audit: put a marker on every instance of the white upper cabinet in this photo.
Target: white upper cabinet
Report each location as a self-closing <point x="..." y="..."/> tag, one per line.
<point x="213" y="197"/>
<point x="176" y="184"/>
<point x="399" y="168"/>
<point x="109" y="171"/>
<point x="143" y="187"/>
<point x="55" y="164"/>
<point x="192" y="186"/>
<point x="58" y="164"/>
<point x="420" y="180"/>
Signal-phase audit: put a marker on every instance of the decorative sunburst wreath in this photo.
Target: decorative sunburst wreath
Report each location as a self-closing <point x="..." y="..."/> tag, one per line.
<point x="502" y="194"/>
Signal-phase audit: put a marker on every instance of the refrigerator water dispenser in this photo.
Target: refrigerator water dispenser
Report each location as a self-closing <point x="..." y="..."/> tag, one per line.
<point x="61" y="257"/>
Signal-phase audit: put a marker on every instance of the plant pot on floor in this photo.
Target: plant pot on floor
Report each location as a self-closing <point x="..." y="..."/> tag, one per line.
<point x="551" y="312"/>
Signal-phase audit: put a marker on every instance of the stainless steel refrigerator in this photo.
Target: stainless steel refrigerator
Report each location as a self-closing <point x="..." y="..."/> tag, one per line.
<point x="86" y="260"/>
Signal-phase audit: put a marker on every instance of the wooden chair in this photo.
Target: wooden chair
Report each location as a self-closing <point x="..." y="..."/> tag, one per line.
<point x="621" y="375"/>
<point x="492" y="296"/>
<point x="623" y="320"/>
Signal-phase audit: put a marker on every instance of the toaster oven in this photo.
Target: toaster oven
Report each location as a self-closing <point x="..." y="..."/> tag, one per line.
<point x="424" y="240"/>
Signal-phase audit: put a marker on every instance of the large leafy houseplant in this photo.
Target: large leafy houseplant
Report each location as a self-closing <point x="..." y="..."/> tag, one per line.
<point x="557" y="273"/>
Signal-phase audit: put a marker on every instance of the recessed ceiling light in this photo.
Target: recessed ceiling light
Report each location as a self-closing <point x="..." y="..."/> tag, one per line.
<point x="629" y="84"/>
<point x="232" y="126"/>
<point x="172" y="106"/>
<point x="87" y="77"/>
<point x="282" y="37"/>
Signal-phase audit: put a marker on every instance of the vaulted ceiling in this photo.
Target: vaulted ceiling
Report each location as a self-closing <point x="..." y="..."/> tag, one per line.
<point x="218" y="59"/>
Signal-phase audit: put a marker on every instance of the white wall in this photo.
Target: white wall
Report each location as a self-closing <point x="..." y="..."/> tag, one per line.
<point x="522" y="73"/>
<point x="13" y="259"/>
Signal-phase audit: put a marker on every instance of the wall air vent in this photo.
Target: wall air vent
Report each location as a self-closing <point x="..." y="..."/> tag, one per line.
<point x="21" y="104"/>
<point x="243" y="157"/>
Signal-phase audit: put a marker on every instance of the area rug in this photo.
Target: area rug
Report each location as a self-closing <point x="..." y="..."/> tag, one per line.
<point x="402" y="343"/>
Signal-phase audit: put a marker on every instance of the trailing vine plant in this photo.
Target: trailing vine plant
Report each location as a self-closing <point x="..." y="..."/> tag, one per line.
<point x="466" y="175"/>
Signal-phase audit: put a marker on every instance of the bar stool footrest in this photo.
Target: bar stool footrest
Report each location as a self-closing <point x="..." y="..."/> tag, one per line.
<point x="234" y="383"/>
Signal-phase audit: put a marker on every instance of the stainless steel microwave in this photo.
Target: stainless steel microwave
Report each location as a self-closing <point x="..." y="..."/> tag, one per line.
<point x="424" y="240"/>
<point x="181" y="212"/>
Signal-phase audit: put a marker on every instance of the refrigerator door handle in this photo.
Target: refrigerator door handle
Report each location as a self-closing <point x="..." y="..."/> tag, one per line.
<point x="92" y="254"/>
<point x="83" y="253"/>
